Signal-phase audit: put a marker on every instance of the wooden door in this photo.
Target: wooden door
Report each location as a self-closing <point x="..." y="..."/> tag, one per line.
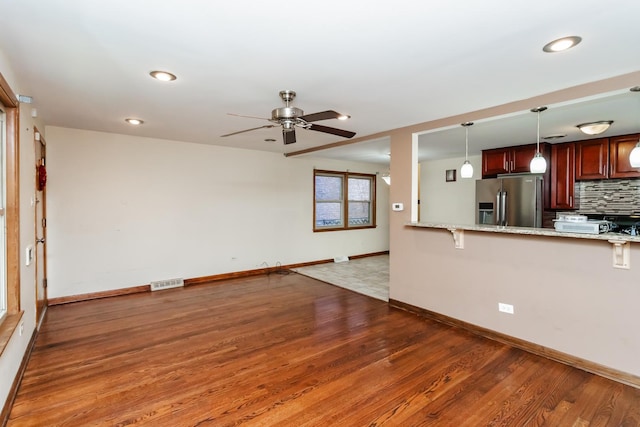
<point x="40" y="225"/>
<point x="620" y="147"/>
<point x="562" y="176"/>
<point x="592" y="159"/>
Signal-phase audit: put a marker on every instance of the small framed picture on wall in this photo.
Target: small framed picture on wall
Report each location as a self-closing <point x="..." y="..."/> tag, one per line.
<point x="450" y="175"/>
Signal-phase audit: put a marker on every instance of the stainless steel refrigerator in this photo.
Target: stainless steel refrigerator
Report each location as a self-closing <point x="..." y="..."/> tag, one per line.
<point x="510" y="200"/>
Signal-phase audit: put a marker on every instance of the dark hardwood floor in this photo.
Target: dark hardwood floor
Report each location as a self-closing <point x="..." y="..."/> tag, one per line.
<point x="287" y="350"/>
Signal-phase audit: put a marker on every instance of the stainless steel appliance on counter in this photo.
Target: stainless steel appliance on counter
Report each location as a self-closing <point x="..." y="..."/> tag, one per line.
<point x="514" y="200"/>
<point x="575" y="223"/>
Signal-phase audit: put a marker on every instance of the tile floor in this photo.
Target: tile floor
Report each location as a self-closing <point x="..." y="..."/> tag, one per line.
<point x="368" y="276"/>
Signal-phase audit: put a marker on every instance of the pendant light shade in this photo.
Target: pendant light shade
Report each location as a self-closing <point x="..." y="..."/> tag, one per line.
<point x="466" y="171"/>
<point x="538" y="163"/>
<point x="634" y="156"/>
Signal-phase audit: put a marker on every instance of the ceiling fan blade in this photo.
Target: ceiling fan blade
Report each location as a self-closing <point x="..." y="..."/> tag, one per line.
<point x="289" y="136"/>
<point x="323" y="115"/>
<point x="246" y="117"/>
<point x="248" y="130"/>
<point x="333" y="131"/>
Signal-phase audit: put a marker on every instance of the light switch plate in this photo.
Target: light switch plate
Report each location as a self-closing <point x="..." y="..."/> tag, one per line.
<point x="397" y="207"/>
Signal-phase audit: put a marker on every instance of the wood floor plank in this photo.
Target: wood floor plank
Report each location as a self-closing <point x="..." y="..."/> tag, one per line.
<point x="287" y="350"/>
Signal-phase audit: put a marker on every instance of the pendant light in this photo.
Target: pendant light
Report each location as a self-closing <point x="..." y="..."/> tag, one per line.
<point x="538" y="163"/>
<point x="634" y="156"/>
<point x="466" y="171"/>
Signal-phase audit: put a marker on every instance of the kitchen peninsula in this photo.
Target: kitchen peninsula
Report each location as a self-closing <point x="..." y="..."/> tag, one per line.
<point x="525" y="231"/>
<point x="569" y="301"/>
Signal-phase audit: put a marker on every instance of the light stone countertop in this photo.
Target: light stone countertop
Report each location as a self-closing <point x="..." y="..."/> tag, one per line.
<point x="525" y="231"/>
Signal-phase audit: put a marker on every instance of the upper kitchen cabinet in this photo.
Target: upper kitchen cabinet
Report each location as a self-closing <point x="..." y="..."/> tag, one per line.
<point x="606" y="158"/>
<point x="592" y="159"/>
<point x="563" y="175"/>
<point x="510" y="159"/>
<point x="619" y="149"/>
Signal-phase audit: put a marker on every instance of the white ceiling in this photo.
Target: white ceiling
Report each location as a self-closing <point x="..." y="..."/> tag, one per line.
<point x="387" y="64"/>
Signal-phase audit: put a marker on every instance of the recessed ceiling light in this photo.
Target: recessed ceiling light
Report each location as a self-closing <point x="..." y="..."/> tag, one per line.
<point x="343" y="117"/>
<point x="163" y="76"/>
<point x="134" y="122"/>
<point x="562" y="44"/>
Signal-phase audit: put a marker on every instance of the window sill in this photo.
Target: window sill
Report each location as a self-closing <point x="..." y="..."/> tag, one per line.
<point x="7" y="327"/>
<point x="363" y="227"/>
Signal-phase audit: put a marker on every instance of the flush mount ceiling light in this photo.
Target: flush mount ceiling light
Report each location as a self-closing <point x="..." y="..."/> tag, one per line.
<point x="466" y="171"/>
<point x="163" y="76"/>
<point x="538" y="163"/>
<point x="595" y="128"/>
<point x="135" y="122"/>
<point x="562" y="44"/>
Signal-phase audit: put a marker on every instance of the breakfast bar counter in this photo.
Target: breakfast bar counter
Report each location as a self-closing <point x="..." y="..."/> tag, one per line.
<point x="526" y="231"/>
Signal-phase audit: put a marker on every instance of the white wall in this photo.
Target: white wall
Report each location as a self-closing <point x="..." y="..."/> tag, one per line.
<point x="12" y="356"/>
<point x="448" y="202"/>
<point x="124" y="211"/>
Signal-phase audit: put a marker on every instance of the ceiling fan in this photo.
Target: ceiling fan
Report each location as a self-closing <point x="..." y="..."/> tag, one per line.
<point x="289" y="117"/>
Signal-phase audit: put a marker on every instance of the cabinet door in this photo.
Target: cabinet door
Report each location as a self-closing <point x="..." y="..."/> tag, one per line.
<point x="495" y="162"/>
<point x="562" y="175"/>
<point x="592" y="159"/>
<point x="521" y="158"/>
<point x="620" y="147"/>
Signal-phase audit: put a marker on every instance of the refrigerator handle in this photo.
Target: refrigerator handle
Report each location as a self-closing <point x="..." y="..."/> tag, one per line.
<point x="503" y="208"/>
<point x="498" y="208"/>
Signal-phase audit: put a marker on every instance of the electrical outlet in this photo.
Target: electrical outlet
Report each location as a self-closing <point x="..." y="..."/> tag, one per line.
<point x="505" y="308"/>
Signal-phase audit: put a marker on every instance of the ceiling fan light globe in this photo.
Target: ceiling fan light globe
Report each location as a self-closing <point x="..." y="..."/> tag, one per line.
<point x="538" y="164"/>
<point x="466" y="171"/>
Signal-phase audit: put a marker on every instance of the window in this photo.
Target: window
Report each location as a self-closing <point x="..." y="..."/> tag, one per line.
<point x="343" y="200"/>
<point x="9" y="214"/>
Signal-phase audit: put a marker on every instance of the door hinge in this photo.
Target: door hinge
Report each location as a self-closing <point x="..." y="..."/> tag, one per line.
<point x="44" y="283"/>
<point x="44" y="222"/>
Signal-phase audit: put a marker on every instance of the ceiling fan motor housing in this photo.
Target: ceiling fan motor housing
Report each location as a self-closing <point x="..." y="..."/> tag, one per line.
<point x="285" y="113"/>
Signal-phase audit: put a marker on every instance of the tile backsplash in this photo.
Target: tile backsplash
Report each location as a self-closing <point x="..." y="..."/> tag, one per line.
<point x="611" y="196"/>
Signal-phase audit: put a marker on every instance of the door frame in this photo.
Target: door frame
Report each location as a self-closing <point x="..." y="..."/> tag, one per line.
<point x="40" y="221"/>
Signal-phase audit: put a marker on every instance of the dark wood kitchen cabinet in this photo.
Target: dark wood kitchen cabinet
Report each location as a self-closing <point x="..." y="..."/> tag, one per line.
<point x="563" y="175"/>
<point x="510" y="159"/>
<point x="592" y="159"/>
<point x="619" y="149"/>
